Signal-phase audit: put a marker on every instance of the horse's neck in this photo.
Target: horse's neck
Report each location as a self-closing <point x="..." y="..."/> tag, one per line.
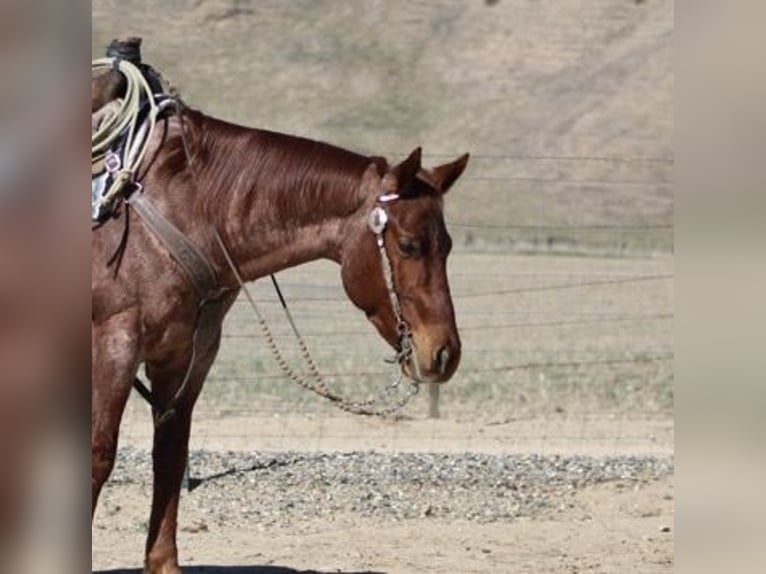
<point x="268" y="247"/>
<point x="272" y="219"/>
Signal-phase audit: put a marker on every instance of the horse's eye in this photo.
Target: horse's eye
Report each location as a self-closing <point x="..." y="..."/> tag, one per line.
<point x="409" y="247"/>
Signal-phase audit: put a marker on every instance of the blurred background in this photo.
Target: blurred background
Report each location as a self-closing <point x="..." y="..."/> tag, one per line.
<point x="44" y="253"/>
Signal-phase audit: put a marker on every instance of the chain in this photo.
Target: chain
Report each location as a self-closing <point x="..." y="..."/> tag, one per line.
<point x="316" y="384"/>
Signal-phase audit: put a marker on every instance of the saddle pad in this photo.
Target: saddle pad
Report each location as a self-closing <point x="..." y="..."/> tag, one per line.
<point x="99" y="210"/>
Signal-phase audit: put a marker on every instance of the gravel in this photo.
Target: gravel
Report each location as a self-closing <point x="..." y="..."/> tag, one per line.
<point x="281" y="488"/>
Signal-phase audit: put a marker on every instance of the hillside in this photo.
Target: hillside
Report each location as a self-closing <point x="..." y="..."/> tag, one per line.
<point x="567" y="107"/>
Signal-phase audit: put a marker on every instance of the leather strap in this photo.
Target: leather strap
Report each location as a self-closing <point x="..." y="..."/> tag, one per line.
<point x="201" y="274"/>
<point x="194" y="263"/>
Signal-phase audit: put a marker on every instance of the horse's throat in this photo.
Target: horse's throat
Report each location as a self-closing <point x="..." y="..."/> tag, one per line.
<point x="275" y="249"/>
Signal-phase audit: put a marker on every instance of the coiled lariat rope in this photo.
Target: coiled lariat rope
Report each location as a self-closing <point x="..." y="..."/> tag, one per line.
<point x="127" y="116"/>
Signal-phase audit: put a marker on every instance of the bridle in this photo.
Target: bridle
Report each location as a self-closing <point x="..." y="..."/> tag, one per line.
<point x="377" y="222"/>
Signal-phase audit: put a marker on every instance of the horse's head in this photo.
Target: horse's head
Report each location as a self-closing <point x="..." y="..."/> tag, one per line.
<point x="404" y="209"/>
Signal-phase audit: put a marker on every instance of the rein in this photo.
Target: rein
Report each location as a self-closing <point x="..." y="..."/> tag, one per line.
<point x="377" y="223"/>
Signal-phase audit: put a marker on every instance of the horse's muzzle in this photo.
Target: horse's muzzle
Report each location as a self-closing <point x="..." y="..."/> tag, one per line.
<point x="434" y="365"/>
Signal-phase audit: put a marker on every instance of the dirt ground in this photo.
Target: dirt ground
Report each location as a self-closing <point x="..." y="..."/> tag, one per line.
<point x="618" y="526"/>
<point x="586" y="415"/>
<point x="612" y="530"/>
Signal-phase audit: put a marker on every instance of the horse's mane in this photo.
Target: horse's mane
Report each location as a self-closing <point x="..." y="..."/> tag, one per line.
<point x="293" y="172"/>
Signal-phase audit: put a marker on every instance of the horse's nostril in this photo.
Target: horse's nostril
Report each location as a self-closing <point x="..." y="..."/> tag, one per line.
<point x="441" y="359"/>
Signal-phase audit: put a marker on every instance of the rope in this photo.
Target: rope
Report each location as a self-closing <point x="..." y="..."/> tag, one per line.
<point x="126" y="117"/>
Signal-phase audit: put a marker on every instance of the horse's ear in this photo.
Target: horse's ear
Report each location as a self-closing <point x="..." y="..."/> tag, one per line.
<point x="445" y="175"/>
<point x="406" y="171"/>
<point x="371" y="180"/>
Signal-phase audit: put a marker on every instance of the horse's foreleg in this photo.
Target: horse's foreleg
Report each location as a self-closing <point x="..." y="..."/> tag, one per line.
<point x="171" y="444"/>
<point x="115" y="349"/>
<point x="171" y="441"/>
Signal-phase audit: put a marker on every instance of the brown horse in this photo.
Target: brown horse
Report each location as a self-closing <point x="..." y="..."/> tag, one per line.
<point x="277" y="201"/>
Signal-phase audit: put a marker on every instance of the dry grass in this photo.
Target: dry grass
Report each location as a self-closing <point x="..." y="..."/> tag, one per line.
<point x="541" y="336"/>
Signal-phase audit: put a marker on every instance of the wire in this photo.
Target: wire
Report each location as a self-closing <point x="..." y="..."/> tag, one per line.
<point x="503" y="368"/>
<point x="533" y="227"/>
<point x="553" y="157"/>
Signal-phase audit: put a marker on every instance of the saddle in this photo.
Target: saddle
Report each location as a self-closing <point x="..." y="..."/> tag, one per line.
<point x="109" y="184"/>
<point x="127" y="97"/>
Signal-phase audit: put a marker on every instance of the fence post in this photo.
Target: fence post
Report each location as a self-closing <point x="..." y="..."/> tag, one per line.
<point x="433" y="400"/>
<point x="186" y="481"/>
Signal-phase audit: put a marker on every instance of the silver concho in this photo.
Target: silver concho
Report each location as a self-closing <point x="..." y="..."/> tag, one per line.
<point x="377" y="220"/>
<point x="112" y="162"/>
